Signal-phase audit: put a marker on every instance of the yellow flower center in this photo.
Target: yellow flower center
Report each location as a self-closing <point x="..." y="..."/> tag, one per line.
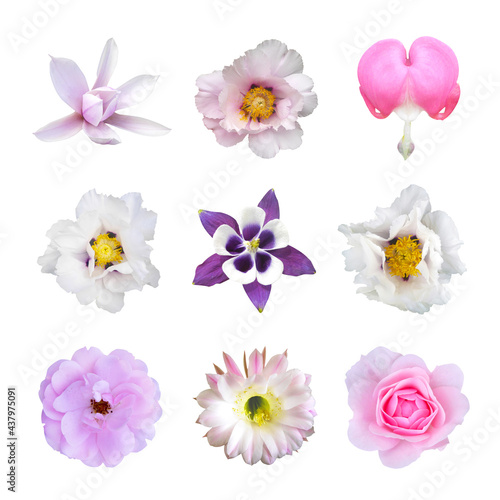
<point x="258" y="104"/>
<point x="107" y="249"/>
<point x="258" y="410"/>
<point x="253" y="245"/>
<point x="403" y="257"/>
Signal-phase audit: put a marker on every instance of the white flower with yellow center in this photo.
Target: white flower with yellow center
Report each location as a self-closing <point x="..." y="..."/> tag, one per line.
<point x="407" y="255"/>
<point x="104" y="253"/>
<point x="264" y="415"/>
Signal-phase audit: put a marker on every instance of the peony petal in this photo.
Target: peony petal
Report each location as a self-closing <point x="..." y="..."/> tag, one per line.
<point x="107" y="64"/>
<point x="137" y="125"/>
<point x="102" y="134"/>
<point x="69" y="81"/>
<point x="268" y="143"/>
<point x="210" y="272"/>
<point x="212" y="220"/>
<point x="207" y="99"/>
<point x="60" y="129"/>
<point x="304" y="85"/>
<point x="258" y="294"/>
<point x="222" y="136"/>
<point x="283" y="62"/>
<point x="135" y="90"/>
<point x="295" y="263"/>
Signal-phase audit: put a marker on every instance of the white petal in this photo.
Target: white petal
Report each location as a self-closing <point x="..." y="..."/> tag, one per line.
<point x="137" y="125"/>
<point x="221" y="237"/>
<point x="304" y="85"/>
<point x="240" y="439"/>
<point x="284" y="62"/>
<point x="243" y="277"/>
<point x="135" y="90"/>
<point x="249" y="220"/>
<point x="61" y="129"/>
<point x="272" y="265"/>
<point x="72" y="273"/>
<point x="280" y="233"/>
<point x="102" y="134"/>
<point x="112" y="302"/>
<point x="267" y="144"/>
<point x="145" y="219"/>
<point x="107" y="64"/>
<point x="69" y="81"/>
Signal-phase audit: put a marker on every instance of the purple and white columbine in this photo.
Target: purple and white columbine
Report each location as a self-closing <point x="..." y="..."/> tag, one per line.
<point x="95" y="109"/>
<point x="255" y="255"/>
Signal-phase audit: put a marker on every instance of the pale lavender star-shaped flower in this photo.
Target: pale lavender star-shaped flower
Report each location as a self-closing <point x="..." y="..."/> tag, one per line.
<point x="95" y="108"/>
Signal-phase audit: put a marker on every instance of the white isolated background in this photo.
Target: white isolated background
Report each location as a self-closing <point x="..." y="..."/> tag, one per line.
<point x="347" y="165"/>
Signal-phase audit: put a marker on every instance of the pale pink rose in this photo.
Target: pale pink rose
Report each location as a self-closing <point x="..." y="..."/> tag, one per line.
<point x="99" y="408"/>
<point x="400" y="407"/>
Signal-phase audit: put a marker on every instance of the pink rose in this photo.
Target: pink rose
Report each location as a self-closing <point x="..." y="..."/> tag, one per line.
<point x="99" y="408"/>
<point x="401" y="408"/>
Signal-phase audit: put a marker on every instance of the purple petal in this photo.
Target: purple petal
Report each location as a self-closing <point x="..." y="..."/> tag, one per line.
<point x="69" y="81"/>
<point x="210" y="272"/>
<point x="107" y="64"/>
<point x="243" y="263"/>
<point x="267" y="239"/>
<point x="60" y="129"/>
<point x="262" y="261"/>
<point x="102" y="134"/>
<point x="138" y="125"/>
<point x="295" y="262"/>
<point x="212" y="220"/>
<point x="270" y="205"/>
<point x="235" y="245"/>
<point x="250" y="231"/>
<point x="258" y="294"/>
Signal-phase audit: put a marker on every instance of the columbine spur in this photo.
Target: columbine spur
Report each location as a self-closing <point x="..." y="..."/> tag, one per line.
<point x="104" y="253"/>
<point x="253" y="251"/>
<point x="407" y="255"/>
<point x="95" y="109"/>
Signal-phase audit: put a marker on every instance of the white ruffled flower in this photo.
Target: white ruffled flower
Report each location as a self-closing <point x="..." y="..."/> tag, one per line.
<point x="104" y="253"/>
<point x="407" y="255"/>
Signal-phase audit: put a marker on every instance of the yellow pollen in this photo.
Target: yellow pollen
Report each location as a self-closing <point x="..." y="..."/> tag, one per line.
<point x="403" y="257"/>
<point x="107" y="249"/>
<point x="253" y="245"/>
<point x="258" y="410"/>
<point x="258" y="104"/>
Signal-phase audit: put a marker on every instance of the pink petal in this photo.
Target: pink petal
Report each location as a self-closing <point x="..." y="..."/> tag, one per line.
<point x="401" y="455"/>
<point x="77" y="395"/>
<point x="208" y="398"/>
<point x="283" y="62"/>
<point x="138" y="125"/>
<point x="277" y="364"/>
<point x="107" y="64"/>
<point x="102" y="134"/>
<point x="219" y="436"/>
<point x="115" y="445"/>
<point x="231" y="366"/>
<point x="207" y="99"/>
<point x="135" y="90"/>
<point x="63" y="128"/>
<point x="92" y="107"/>
<point x="69" y="81"/>
<point x="73" y="428"/>
<point x="255" y="363"/>
<point x="267" y="144"/>
<point x="68" y="372"/>
<point x="222" y="136"/>
<point x="447" y="375"/>
<point x="304" y="85"/>
<point x="360" y="435"/>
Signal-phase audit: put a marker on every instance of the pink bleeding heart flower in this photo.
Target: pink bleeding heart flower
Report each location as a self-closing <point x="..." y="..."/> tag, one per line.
<point x="400" y="407"/>
<point x="95" y="109"/>
<point x="425" y="80"/>
<point x="263" y="415"/>
<point x="261" y="95"/>
<point x="99" y="408"/>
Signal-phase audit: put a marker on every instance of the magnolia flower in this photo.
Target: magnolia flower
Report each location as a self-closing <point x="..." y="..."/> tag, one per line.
<point x="262" y="94"/>
<point x="425" y="80"/>
<point x="264" y="415"/>
<point x="406" y="256"/>
<point x="104" y="253"/>
<point x="401" y="408"/>
<point x="256" y="255"/>
<point x="99" y="408"/>
<point x="95" y="109"/>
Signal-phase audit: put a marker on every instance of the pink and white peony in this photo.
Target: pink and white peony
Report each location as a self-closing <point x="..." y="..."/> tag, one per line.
<point x="426" y="80"/>
<point x="400" y="407"/>
<point x="262" y="415"/>
<point x="95" y="108"/>
<point x="407" y="255"/>
<point x="261" y="95"/>
<point x="99" y="408"/>
<point x="104" y="253"/>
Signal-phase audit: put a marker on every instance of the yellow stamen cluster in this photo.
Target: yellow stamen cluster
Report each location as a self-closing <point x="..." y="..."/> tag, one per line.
<point x="258" y="104"/>
<point x="258" y="410"/>
<point x="107" y="249"/>
<point x="403" y="257"/>
<point x="253" y="245"/>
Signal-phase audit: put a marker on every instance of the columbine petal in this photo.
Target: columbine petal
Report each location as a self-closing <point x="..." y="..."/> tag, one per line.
<point x="210" y="272"/>
<point x="295" y="263"/>
<point x="135" y="90"/>
<point x="251" y="221"/>
<point x="212" y="220"/>
<point x="269" y="268"/>
<point x="274" y="235"/>
<point x="102" y="134"/>
<point x="270" y="205"/>
<point x="63" y="128"/>
<point x="138" y="125"/>
<point x="227" y="241"/>
<point x="69" y="81"/>
<point x="258" y="294"/>
<point x="107" y="64"/>
<point x="240" y="269"/>
<point x="267" y="144"/>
